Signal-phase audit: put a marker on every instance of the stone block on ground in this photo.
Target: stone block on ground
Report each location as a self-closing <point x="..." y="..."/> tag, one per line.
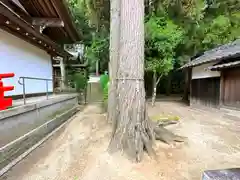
<point x="223" y="174"/>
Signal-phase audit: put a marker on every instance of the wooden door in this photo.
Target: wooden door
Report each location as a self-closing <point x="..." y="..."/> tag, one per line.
<point x="206" y="91"/>
<point x="231" y="87"/>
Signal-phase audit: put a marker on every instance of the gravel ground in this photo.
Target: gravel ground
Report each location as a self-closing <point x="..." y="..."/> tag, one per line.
<point x="79" y="150"/>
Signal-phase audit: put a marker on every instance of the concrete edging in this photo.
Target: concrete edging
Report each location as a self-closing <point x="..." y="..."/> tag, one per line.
<point x="31" y="107"/>
<point x="18" y="149"/>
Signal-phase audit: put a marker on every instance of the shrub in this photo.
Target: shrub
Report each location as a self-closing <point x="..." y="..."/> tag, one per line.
<point x="104" y="80"/>
<point x="80" y="81"/>
<point x="105" y="92"/>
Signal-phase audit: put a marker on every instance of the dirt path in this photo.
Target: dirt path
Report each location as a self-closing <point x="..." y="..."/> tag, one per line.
<point x="79" y="150"/>
<point x="66" y="155"/>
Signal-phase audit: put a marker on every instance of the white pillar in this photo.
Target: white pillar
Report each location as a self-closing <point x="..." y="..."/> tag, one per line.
<point x="97" y="68"/>
<point x="63" y="74"/>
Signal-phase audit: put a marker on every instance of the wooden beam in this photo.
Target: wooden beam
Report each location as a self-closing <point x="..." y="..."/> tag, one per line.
<point x="54" y="9"/>
<point x="47" y="22"/>
<point x="51" y="8"/>
<point x="63" y="12"/>
<point x="11" y="31"/>
<point x="43" y="23"/>
<point x="40" y="9"/>
<point x="22" y="13"/>
<point x="16" y="19"/>
<point x="10" y="28"/>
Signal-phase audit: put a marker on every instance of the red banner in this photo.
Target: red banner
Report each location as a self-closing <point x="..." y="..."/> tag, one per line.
<point x="5" y="102"/>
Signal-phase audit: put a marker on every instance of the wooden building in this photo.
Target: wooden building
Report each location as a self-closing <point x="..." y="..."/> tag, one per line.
<point x="32" y="33"/>
<point x="215" y="77"/>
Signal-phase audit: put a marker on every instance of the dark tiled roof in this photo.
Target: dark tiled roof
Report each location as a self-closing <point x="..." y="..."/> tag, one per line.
<point x="224" y="65"/>
<point x="220" y="53"/>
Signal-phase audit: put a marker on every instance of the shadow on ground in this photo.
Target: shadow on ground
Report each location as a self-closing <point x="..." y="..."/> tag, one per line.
<point x="79" y="150"/>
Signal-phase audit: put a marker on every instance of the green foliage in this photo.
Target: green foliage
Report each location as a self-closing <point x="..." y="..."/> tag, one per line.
<point x="179" y="10"/>
<point x="105" y="97"/>
<point x="205" y="23"/>
<point x="78" y="10"/>
<point x="98" y="51"/>
<point x="105" y="92"/>
<point x="104" y="80"/>
<point x="92" y="19"/>
<point x="175" y="29"/>
<point x="220" y="30"/>
<point x="161" y="38"/>
<point x="218" y="7"/>
<point x="80" y="81"/>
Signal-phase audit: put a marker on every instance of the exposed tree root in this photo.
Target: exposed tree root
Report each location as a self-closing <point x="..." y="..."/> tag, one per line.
<point x="163" y="123"/>
<point x="148" y="146"/>
<point x="141" y="137"/>
<point x="166" y="122"/>
<point x="164" y="134"/>
<point x="167" y="136"/>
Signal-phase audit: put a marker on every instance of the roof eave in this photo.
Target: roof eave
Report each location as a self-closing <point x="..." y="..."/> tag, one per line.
<point x="65" y="14"/>
<point x="210" y="60"/>
<point x="226" y="51"/>
<point x="6" y="12"/>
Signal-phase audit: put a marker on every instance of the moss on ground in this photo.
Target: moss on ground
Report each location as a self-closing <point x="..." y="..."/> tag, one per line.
<point x="164" y="117"/>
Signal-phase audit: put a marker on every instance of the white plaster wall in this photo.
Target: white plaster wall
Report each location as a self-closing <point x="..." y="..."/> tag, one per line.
<point x="24" y="59"/>
<point x="201" y="71"/>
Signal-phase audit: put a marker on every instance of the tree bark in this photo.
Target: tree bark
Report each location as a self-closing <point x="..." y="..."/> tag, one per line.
<point x="133" y="130"/>
<point x="114" y="58"/>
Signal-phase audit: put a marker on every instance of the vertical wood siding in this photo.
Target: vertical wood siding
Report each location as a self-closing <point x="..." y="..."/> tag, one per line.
<point x="231" y="87"/>
<point x="205" y="91"/>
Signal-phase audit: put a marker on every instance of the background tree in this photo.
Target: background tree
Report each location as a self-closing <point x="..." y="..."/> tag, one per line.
<point x="98" y="51"/>
<point x="206" y="24"/>
<point x="196" y="26"/>
<point x="161" y="38"/>
<point x="92" y="19"/>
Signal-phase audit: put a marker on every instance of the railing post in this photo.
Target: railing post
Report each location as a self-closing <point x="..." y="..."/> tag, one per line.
<point x="24" y="91"/>
<point x="32" y="78"/>
<point x="47" y="88"/>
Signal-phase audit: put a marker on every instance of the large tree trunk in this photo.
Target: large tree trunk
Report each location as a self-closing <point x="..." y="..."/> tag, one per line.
<point x="133" y="131"/>
<point x="114" y="58"/>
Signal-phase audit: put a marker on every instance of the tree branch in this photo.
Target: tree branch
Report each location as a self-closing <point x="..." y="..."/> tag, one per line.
<point x="158" y="80"/>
